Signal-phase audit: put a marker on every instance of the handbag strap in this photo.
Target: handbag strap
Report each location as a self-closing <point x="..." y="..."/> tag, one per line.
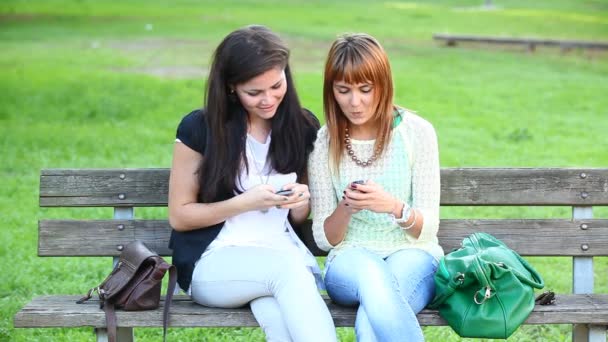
<point x="452" y="285"/>
<point x="108" y="308"/>
<point x="169" y="298"/>
<point x="536" y="281"/>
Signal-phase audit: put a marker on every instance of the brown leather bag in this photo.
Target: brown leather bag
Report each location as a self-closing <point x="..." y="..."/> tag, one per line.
<point x="134" y="285"/>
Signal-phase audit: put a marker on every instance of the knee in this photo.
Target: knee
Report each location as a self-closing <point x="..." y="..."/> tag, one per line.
<point x="359" y="265"/>
<point x="360" y="274"/>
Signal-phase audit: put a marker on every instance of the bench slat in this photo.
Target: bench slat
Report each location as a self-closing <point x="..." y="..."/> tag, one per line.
<point x="462" y="187"/>
<point x="529" y="237"/>
<point x="62" y="311"/>
<point x="104" y="187"/>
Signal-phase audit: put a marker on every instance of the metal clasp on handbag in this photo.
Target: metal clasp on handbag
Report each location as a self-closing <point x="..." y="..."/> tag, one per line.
<point x="486" y="296"/>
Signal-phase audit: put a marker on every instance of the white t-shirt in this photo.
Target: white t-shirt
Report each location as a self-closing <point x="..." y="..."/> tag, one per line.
<point x="256" y="228"/>
<point x="269" y="229"/>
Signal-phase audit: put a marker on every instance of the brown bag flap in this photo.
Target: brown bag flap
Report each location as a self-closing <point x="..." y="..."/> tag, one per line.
<point x="131" y="259"/>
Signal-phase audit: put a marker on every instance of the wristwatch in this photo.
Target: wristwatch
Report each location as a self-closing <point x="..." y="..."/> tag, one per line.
<point x="405" y="214"/>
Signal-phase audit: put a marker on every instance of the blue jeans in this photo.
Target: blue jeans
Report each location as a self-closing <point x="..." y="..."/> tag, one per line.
<point x="389" y="292"/>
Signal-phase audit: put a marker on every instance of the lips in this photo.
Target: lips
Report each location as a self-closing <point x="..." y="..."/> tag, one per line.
<point x="267" y="109"/>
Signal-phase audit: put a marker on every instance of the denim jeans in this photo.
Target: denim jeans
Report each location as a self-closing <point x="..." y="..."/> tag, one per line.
<point x="389" y="291"/>
<point x="280" y="289"/>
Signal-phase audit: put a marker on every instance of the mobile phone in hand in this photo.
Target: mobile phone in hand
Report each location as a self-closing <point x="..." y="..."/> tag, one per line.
<point x="353" y="185"/>
<point x="286" y="192"/>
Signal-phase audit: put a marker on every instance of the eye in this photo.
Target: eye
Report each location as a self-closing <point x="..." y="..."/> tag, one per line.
<point x="277" y="86"/>
<point x="366" y="89"/>
<point x="254" y="93"/>
<point x="342" y="90"/>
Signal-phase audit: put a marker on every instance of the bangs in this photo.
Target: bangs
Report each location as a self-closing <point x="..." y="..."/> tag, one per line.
<point x="353" y="68"/>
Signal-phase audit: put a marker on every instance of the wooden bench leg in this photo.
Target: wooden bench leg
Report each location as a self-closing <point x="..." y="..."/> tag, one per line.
<point x="580" y="333"/>
<point x="589" y="333"/>
<point x="122" y="335"/>
<point x="597" y="333"/>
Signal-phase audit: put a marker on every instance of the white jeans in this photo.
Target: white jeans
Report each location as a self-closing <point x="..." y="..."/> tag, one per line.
<point x="280" y="289"/>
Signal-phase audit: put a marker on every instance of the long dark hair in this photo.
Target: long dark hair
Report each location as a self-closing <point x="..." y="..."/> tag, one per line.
<point x="241" y="56"/>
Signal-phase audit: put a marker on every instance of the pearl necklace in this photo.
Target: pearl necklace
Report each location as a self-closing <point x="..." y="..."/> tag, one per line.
<point x="351" y="153"/>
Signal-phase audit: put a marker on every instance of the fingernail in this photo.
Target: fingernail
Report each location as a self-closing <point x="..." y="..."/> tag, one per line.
<point x="346" y="204"/>
<point x="301" y="194"/>
<point x="285" y="198"/>
<point x="278" y="207"/>
<point x="343" y="197"/>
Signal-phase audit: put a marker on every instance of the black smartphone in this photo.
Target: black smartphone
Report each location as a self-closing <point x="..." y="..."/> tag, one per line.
<point x="360" y="181"/>
<point x="284" y="192"/>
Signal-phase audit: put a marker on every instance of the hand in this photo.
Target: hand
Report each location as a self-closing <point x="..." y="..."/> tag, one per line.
<point x="261" y="197"/>
<point x="350" y="210"/>
<point x="369" y="196"/>
<point x="300" y="197"/>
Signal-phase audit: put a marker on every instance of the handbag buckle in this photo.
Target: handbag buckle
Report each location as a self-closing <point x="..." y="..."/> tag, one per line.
<point x="486" y="296"/>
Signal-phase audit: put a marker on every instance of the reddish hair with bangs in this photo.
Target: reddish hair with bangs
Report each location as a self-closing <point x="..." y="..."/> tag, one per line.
<point x="357" y="58"/>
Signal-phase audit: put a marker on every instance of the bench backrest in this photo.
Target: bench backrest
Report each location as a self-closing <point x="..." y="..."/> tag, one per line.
<point x="126" y="189"/>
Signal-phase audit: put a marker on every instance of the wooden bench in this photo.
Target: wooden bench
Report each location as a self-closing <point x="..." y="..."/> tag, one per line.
<point x="580" y="238"/>
<point x="531" y="43"/>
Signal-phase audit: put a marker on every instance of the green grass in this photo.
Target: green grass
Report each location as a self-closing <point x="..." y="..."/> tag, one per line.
<point x="85" y="84"/>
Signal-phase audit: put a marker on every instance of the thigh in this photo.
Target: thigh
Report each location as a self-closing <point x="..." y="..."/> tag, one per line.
<point x="354" y="270"/>
<point x="233" y="276"/>
<point x="414" y="270"/>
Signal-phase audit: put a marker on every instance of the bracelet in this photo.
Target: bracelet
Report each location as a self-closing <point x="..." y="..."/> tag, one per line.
<point x="411" y="224"/>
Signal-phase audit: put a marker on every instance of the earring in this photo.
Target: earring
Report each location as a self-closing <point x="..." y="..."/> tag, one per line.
<point x="232" y="96"/>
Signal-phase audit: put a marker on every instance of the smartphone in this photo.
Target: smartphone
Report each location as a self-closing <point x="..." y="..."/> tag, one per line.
<point x="352" y="185"/>
<point x="284" y="192"/>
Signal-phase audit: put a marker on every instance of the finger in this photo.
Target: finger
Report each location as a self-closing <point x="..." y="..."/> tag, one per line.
<point x="299" y="193"/>
<point x="350" y="208"/>
<point x="278" y="199"/>
<point x="364" y="187"/>
<point x="355" y="195"/>
<point x="289" y="186"/>
<point x="359" y="204"/>
<point x="298" y="197"/>
<point x="293" y="205"/>
<point x="266" y="187"/>
<point x="351" y="204"/>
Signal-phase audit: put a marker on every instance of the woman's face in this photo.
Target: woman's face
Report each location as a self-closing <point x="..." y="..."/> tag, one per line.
<point x="262" y="95"/>
<point x="356" y="101"/>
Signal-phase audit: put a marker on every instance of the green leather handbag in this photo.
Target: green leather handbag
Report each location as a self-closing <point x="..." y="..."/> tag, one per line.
<point x="485" y="289"/>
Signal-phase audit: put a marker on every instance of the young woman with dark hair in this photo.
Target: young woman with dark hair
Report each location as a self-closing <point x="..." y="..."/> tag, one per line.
<point x="232" y="240"/>
<point x="374" y="180"/>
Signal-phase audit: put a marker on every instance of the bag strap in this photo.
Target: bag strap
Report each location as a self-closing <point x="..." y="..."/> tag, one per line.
<point x="108" y="308"/>
<point x="536" y="281"/>
<point x="169" y="299"/>
<point x="452" y="285"/>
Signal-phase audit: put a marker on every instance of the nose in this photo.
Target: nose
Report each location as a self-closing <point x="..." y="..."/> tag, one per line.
<point x="355" y="99"/>
<point x="268" y="98"/>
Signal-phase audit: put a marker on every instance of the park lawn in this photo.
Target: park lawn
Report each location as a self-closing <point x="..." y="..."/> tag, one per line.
<point x="102" y="84"/>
